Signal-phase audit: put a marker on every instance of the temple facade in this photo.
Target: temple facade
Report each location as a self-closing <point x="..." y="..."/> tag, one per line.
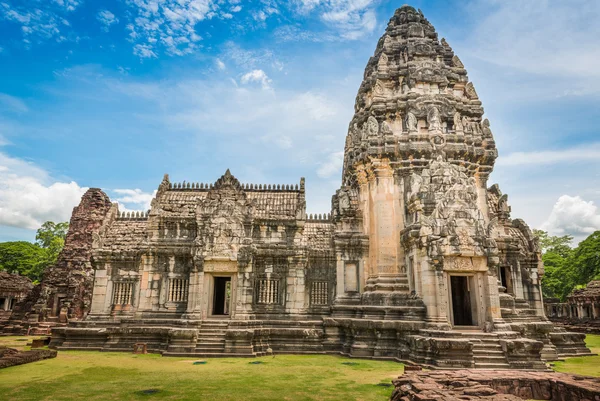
<point x="580" y="312"/>
<point x="418" y="259"/>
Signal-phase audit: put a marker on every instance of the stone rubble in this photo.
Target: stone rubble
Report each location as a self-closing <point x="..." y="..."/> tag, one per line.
<point x="494" y="386"/>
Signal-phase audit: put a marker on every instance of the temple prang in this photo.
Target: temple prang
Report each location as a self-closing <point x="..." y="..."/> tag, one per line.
<point x="417" y="260"/>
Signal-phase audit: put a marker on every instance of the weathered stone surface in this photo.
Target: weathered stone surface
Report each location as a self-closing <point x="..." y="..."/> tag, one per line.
<point x="494" y="386"/>
<point x="12" y="357"/>
<point x="13" y="288"/>
<point x="66" y="288"/>
<point x="419" y="260"/>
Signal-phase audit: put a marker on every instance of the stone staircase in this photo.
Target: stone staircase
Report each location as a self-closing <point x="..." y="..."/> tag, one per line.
<point x="487" y="353"/>
<point x="211" y="338"/>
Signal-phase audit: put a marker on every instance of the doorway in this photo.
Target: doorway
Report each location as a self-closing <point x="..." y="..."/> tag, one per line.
<point x="222" y="296"/>
<point x="462" y="310"/>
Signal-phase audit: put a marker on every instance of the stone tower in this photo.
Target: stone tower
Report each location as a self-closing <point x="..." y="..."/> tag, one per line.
<point x="417" y="159"/>
<point x="420" y="240"/>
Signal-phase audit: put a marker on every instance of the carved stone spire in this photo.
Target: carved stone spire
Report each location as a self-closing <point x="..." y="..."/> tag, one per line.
<point x="416" y="103"/>
<point x="228" y="179"/>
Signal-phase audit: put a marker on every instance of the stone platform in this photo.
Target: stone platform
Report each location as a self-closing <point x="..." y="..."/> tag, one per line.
<point x="494" y="385"/>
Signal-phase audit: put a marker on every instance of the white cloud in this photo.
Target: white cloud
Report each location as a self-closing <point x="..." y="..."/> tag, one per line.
<point x="220" y="64"/>
<point x="107" y="19"/>
<point x="332" y="165"/>
<point x="589" y="153"/>
<point x="12" y="103"/>
<point x="168" y="25"/>
<point x="44" y="21"/>
<point x="573" y="216"/>
<point x="351" y="19"/>
<point x="236" y="9"/>
<point x="258" y="76"/>
<point x="140" y="199"/>
<point x="249" y="59"/>
<point x="29" y="197"/>
<point x="144" y="51"/>
<point x="69" y="5"/>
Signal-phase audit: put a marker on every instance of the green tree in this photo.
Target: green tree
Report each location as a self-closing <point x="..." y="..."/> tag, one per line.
<point x="561" y="245"/>
<point x="24" y="258"/>
<point x="52" y="236"/>
<point x="32" y="259"/>
<point x="559" y="276"/>
<point x="586" y="259"/>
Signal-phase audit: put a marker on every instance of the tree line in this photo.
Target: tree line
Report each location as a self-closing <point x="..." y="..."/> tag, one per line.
<point x="31" y="259"/>
<point x="568" y="268"/>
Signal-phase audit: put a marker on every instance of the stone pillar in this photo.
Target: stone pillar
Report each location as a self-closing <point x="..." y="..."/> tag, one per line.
<point x="493" y="311"/>
<point x="384" y="225"/>
<point x="101" y="294"/>
<point x="340" y="277"/>
<point x="194" y="294"/>
<point x="432" y="287"/>
<point x="295" y="286"/>
<point x="517" y="281"/>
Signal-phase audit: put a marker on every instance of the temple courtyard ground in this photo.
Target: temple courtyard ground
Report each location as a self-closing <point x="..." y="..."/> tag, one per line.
<point x="75" y="375"/>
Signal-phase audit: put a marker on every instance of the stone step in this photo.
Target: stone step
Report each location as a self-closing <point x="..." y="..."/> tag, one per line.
<point x="489" y="359"/>
<point x="492" y="365"/>
<point x="482" y="352"/>
<point x="201" y="343"/>
<point x="203" y="350"/>
<point x="211" y="337"/>
<point x="211" y="355"/>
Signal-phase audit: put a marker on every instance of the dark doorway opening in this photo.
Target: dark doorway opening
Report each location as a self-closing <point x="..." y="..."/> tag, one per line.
<point x="505" y="278"/>
<point x="222" y="296"/>
<point x="461" y="301"/>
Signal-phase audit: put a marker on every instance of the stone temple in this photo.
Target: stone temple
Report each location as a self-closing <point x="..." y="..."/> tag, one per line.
<point x="417" y="260"/>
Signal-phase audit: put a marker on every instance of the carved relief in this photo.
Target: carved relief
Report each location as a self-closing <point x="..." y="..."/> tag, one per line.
<point x="372" y="126"/>
<point x="411" y="122"/>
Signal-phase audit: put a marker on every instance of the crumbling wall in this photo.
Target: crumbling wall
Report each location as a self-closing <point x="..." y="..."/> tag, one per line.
<point x="66" y="288"/>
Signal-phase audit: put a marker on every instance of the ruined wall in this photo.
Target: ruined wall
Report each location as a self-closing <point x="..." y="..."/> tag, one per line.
<point x="66" y="288"/>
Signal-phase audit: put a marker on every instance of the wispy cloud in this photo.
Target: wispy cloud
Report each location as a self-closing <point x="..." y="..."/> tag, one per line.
<point x="249" y="59"/>
<point x="134" y="198"/>
<point x="107" y="19"/>
<point x="12" y="103"/>
<point x="258" y="76"/>
<point x="543" y="38"/>
<point x="332" y="165"/>
<point x="46" y="20"/>
<point x="351" y="19"/>
<point x="584" y="154"/>
<point x="168" y="25"/>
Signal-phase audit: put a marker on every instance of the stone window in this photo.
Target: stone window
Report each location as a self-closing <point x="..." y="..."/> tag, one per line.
<point x="319" y="294"/>
<point x="178" y="290"/>
<point x="268" y="292"/>
<point x="122" y="293"/>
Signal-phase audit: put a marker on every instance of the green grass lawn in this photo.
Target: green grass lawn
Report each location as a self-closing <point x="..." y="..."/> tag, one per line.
<point x="75" y="375"/>
<point x="585" y="365"/>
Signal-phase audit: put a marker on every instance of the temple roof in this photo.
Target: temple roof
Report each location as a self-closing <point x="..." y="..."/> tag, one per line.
<point x="416" y="103"/>
<point x="14" y="283"/>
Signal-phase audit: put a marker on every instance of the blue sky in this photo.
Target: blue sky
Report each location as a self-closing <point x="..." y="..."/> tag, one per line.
<point x="114" y="94"/>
